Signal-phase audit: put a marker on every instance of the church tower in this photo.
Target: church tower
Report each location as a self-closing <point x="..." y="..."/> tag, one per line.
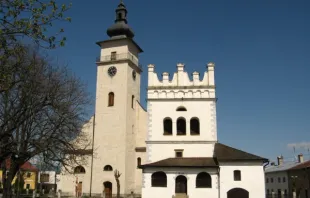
<point x="117" y="99"/>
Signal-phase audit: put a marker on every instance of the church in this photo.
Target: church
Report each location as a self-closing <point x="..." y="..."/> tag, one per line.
<point x="170" y="149"/>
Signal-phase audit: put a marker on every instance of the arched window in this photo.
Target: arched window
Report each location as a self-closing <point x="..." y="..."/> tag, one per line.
<point x="132" y="101"/>
<point x="181" y="126"/>
<point x="195" y="126"/>
<point x="111" y="99"/>
<point x="237" y="175"/>
<point x="79" y="170"/>
<point x="181" y="108"/>
<point x="167" y="126"/>
<point x="159" y="179"/>
<point x="203" y="180"/>
<point x="108" y="168"/>
<point x="138" y="161"/>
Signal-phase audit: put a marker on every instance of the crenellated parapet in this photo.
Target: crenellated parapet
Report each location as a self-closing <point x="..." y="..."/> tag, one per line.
<point x="180" y="86"/>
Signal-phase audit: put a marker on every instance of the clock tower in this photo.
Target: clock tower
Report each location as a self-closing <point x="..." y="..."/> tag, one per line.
<point x="117" y="100"/>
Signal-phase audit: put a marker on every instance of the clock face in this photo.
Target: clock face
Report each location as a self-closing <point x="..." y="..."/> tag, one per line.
<point x="134" y="75"/>
<point x="112" y="71"/>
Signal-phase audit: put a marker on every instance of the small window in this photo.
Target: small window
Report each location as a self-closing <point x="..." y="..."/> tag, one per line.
<point x="237" y="175"/>
<point x="203" y="180"/>
<point x="279" y="179"/>
<point x="119" y="15"/>
<point x="27" y="186"/>
<point x="284" y="179"/>
<point x="167" y="126"/>
<point x="132" y="101"/>
<point x="111" y="99"/>
<point x="28" y="174"/>
<point x="267" y="180"/>
<point x="113" y="55"/>
<point x="181" y="108"/>
<point x="138" y="162"/>
<point x="178" y="153"/>
<point x="159" y="179"/>
<point x="79" y="170"/>
<point x="195" y="128"/>
<point x="268" y="192"/>
<point x="108" y="168"/>
<point x="181" y="126"/>
<point x="271" y="180"/>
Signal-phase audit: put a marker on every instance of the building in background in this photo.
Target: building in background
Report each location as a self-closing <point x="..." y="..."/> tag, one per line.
<point x="48" y="181"/>
<point x="287" y="178"/>
<point x="28" y="174"/>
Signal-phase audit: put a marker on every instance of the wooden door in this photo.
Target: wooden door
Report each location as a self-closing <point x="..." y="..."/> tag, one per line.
<point x="107" y="189"/>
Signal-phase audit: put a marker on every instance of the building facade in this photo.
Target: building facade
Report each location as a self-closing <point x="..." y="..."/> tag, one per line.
<point x="289" y="179"/>
<point x="170" y="150"/>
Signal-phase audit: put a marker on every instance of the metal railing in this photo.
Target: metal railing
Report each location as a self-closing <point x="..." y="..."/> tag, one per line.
<point x="117" y="57"/>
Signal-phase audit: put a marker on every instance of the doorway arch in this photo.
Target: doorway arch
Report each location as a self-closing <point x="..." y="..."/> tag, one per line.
<point x="237" y="193"/>
<point x="181" y="185"/>
<point x="107" y="186"/>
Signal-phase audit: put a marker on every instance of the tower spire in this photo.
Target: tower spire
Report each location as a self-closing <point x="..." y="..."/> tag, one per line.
<point x="120" y="27"/>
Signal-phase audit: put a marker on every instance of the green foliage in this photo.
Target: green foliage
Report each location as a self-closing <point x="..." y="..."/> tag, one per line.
<point x="33" y="19"/>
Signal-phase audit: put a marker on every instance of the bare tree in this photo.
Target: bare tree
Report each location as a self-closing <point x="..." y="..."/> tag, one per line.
<point x="117" y="175"/>
<point x="42" y="113"/>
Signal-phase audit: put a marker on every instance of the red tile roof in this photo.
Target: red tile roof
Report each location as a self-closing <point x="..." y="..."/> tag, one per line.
<point x="303" y="165"/>
<point x="26" y="166"/>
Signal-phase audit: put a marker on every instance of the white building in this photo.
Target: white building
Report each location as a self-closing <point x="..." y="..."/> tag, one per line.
<point x="48" y="181"/>
<point x="174" y="143"/>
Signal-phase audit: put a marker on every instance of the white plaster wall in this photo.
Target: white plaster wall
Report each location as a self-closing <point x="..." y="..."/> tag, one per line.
<point x="252" y="179"/>
<point x="68" y="180"/>
<point x="191" y="174"/>
<point x="51" y="177"/>
<point x="181" y="77"/>
<point x="275" y="185"/>
<point x="162" y="151"/>
<point x="122" y="46"/>
<point x="205" y="111"/>
<point x="141" y="125"/>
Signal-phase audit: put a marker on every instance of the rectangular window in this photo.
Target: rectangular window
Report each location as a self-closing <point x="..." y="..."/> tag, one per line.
<point x="237" y="175"/>
<point x="267" y="180"/>
<point x="271" y="180"/>
<point x="284" y="179"/>
<point x="27" y="186"/>
<point x="132" y="101"/>
<point x="113" y="55"/>
<point x="28" y="174"/>
<point x="279" y="179"/>
<point x="178" y="153"/>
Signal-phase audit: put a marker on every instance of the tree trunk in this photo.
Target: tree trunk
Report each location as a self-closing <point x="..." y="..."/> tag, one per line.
<point x="7" y="185"/>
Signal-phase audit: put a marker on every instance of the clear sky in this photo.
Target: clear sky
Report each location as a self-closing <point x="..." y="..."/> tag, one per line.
<point x="260" y="48"/>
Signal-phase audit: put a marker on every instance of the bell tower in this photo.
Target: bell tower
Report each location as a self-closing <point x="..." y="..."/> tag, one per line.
<point x="117" y="93"/>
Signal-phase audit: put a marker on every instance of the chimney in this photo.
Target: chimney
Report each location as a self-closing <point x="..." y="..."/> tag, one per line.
<point x="280" y="160"/>
<point x="300" y="158"/>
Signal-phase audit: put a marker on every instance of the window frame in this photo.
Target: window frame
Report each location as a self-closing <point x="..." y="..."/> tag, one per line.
<point x="111" y="98"/>
<point x="160" y="182"/>
<point x="179" y="132"/>
<point x="167" y="119"/>
<point x="237" y="175"/>
<point x="208" y="180"/>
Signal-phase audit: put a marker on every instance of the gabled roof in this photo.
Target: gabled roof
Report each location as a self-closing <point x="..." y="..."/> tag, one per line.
<point x="226" y="153"/>
<point x="184" y="162"/>
<point x="27" y="166"/>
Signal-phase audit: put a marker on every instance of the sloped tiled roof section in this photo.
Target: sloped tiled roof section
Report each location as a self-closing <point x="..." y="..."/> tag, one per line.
<point x="301" y="165"/>
<point x="184" y="162"/>
<point x="223" y="152"/>
<point x="278" y="168"/>
<point x="27" y="166"/>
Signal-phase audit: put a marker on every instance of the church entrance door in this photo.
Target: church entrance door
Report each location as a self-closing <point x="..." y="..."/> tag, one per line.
<point x="107" y="189"/>
<point x="237" y="193"/>
<point x="180" y="186"/>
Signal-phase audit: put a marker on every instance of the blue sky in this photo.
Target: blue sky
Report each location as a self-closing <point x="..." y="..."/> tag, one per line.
<point x="259" y="47"/>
